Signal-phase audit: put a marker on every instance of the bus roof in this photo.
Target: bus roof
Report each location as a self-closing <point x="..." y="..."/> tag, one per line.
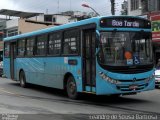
<point x="65" y="26"/>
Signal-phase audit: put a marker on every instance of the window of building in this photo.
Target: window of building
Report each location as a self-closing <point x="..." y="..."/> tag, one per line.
<point x="54" y="44"/>
<point x="12" y="32"/>
<point x="21" y="47"/>
<point x="53" y="19"/>
<point x="48" y="18"/>
<point x="152" y="5"/>
<point x="6" y="50"/>
<point x="70" y="43"/>
<point x="158" y="4"/>
<point x="134" y="4"/>
<point x="30" y="46"/>
<point x="40" y="45"/>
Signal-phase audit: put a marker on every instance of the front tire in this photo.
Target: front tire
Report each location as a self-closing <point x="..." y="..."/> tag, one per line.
<point x="22" y="79"/>
<point x="71" y="88"/>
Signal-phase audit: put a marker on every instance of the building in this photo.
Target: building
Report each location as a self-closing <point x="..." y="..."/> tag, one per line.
<point x="10" y="26"/>
<point x="150" y="9"/>
<point x="134" y="7"/>
<point x="124" y="8"/>
<point x="155" y="19"/>
<point x="27" y="22"/>
<point x="24" y="22"/>
<point x="142" y="7"/>
<point x="77" y="15"/>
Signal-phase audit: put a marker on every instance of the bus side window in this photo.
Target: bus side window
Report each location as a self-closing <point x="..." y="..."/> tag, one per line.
<point x="70" y="43"/>
<point x="54" y="44"/>
<point x="40" y="45"/>
<point x="30" y="46"/>
<point x="21" y="47"/>
<point x="66" y="47"/>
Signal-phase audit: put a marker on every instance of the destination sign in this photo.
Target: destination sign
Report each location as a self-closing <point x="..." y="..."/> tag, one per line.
<point x="125" y="22"/>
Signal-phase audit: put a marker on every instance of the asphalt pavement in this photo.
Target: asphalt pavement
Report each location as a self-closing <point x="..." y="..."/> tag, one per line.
<point x="41" y="102"/>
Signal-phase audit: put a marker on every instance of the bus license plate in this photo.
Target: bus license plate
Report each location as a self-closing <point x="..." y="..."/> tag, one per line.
<point x="133" y="87"/>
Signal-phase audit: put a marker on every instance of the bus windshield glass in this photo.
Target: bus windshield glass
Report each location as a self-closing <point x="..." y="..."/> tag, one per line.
<point x="125" y="48"/>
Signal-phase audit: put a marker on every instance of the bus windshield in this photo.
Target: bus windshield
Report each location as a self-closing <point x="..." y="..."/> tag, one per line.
<point x="125" y="48"/>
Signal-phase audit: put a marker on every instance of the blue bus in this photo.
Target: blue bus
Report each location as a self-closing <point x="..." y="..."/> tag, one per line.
<point x="101" y="55"/>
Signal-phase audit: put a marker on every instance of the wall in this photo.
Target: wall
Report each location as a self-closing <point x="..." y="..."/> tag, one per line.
<point x="38" y="18"/>
<point x="12" y="23"/>
<point x="61" y="19"/>
<point x="24" y="27"/>
<point x="134" y="12"/>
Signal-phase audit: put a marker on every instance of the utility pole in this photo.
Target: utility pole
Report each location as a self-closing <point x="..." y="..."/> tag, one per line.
<point x="113" y="7"/>
<point x="58" y="6"/>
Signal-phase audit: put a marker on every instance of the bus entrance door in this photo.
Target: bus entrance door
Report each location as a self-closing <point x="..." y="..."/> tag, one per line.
<point x="89" y="66"/>
<point x="12" y="59"/>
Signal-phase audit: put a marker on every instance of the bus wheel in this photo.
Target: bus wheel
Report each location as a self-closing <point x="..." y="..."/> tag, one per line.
<point x="72" y="88"/>
<point x="22" y="79"/>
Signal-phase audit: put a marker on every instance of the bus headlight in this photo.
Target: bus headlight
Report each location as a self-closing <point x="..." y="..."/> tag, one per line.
<point x="150" y="78"/>
<point x="108" y="79"/>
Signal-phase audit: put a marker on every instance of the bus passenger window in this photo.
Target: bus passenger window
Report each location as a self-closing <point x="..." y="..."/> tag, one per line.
<point x="29" y="46"/>
<point x="66" y="48"/>
<point x="70" y="44"/>
<point x="21" y="47"/>
<point x="40" y="45"/>
<point x="54" y="44"/>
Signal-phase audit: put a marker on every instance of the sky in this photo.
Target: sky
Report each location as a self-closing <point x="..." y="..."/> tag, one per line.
<point x="57" y="6"/>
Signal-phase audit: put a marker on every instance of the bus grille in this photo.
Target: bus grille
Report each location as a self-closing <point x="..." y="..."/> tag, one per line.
<point x="137" y="80"/>
<point x="127" y="88"/>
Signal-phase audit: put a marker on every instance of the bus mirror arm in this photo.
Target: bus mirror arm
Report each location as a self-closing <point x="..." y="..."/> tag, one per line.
<point x="97" y="38"/>
<point x="97" y="33"/>
<point x="97" y="42"/>
<point x="97" y="51"/>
